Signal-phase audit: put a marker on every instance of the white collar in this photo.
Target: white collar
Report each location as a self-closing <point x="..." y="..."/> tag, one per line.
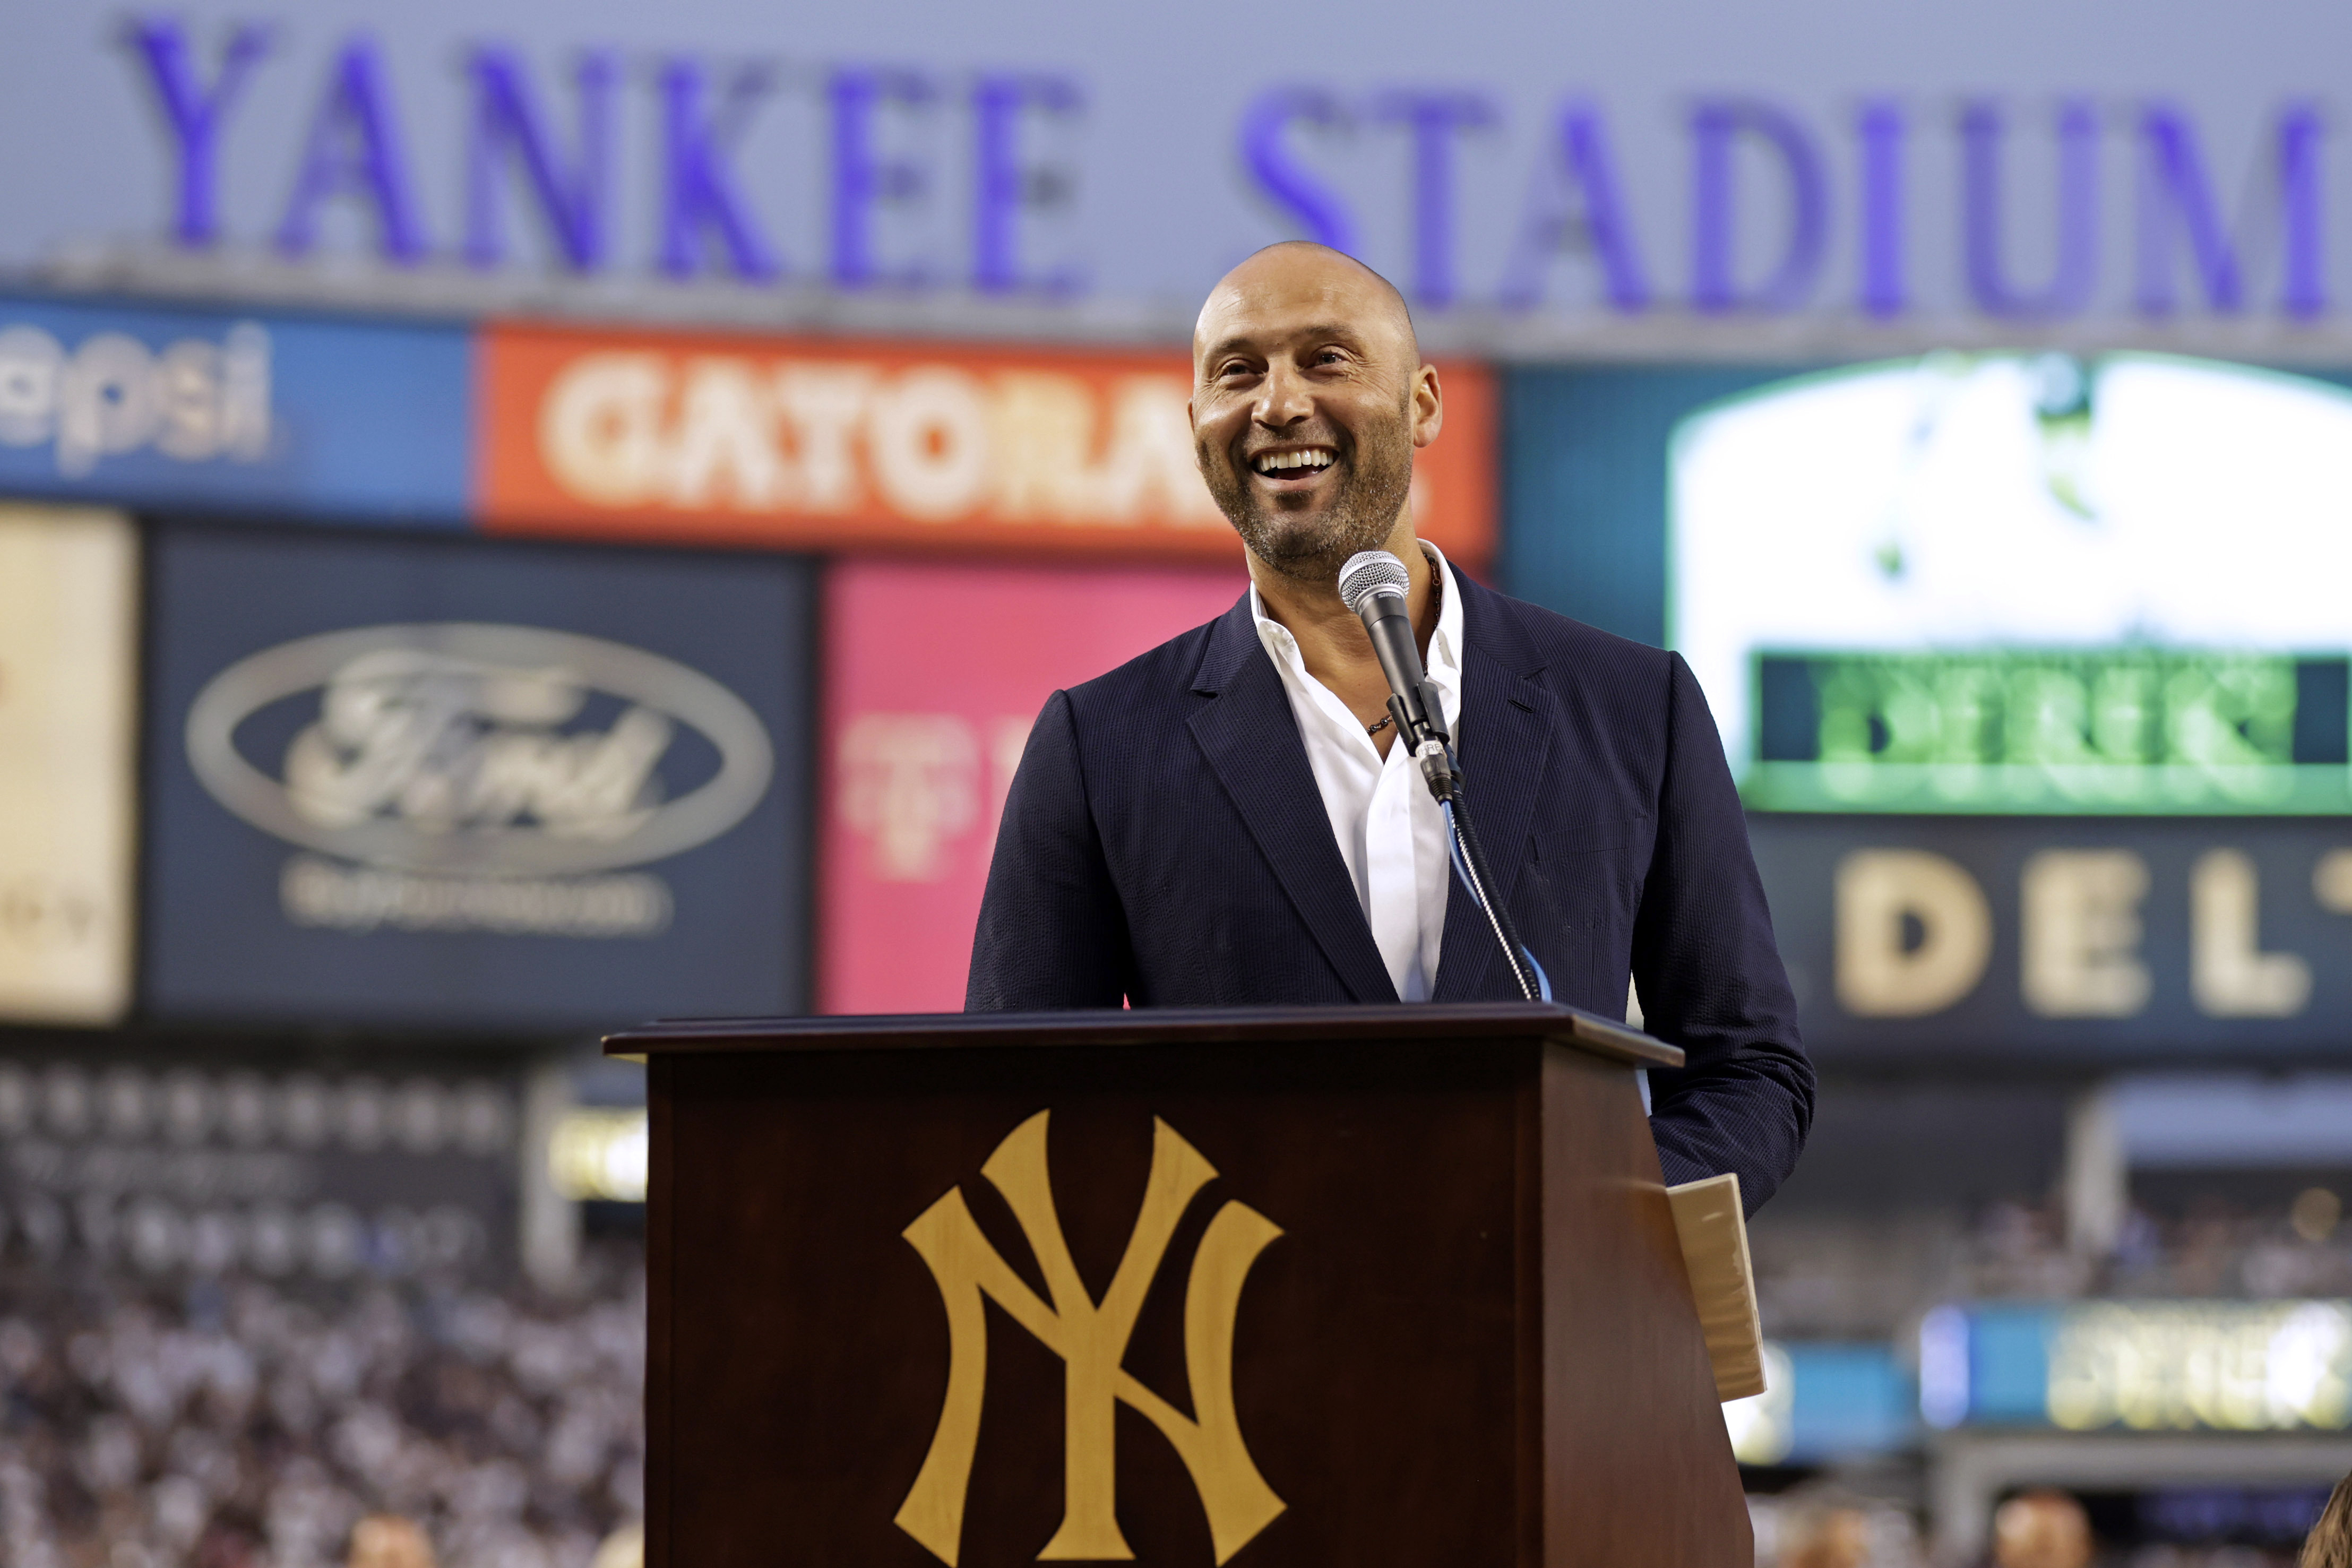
<point x="1445" y="647"/>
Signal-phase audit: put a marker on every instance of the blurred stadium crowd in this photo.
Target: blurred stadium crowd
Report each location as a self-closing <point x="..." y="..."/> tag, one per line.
<point x="238" y="1422"/>
<point x="394" y="1417"/>
<point x="1827" y="1275"/>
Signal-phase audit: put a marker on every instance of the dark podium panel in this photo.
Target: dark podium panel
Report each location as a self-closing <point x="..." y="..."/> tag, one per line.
<point x="1333" y="1287"/>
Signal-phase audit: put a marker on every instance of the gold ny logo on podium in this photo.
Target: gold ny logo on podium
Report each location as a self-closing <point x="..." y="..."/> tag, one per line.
<point x="1091" y="1338"/>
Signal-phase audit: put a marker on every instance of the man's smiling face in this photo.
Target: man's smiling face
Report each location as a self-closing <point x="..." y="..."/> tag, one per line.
<point x="1308" y="397"/>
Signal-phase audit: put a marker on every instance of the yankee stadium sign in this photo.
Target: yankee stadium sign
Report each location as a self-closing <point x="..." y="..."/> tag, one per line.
<point x="1101" y="168"/>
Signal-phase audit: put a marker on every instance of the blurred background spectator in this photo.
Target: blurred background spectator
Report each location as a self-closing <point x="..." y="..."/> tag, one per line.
<point x="2041" y="1529"/>
<point x="387" y="1540"/>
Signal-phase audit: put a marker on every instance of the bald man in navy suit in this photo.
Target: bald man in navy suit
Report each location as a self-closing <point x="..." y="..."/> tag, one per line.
<point x="1227" y="821"/>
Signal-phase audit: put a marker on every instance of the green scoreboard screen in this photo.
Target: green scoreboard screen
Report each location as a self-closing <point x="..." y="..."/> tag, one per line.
<point x="2052" y="729"/>
<point x="2010" y="583"/>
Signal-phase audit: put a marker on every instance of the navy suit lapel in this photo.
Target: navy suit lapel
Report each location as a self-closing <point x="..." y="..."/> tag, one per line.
<point x="1505" y="746"/>
<point x="1251" y="738"/>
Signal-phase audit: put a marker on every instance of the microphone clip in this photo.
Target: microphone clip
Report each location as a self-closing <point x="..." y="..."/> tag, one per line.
<point x="1431" y="746"/>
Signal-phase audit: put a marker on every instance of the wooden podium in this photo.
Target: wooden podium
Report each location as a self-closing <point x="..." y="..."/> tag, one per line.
<point x="1345" y="1286"/>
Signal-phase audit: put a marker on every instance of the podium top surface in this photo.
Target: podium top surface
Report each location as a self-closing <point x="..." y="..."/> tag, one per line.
<point x="1154" y="1026"/>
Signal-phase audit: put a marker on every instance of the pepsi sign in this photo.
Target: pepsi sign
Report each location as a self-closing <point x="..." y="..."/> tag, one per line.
<point x="262" y="413"/>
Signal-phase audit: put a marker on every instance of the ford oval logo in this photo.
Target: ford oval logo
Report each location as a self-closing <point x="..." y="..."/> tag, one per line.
<point x="488" y="750"/>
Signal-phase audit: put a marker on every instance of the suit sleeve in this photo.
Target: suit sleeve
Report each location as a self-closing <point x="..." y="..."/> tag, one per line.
<point x="1052" y="931"/>
<point x="1710" y="975"/>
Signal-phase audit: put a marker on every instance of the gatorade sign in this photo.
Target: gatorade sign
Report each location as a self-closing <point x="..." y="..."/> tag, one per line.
<point x="828" y="444"/>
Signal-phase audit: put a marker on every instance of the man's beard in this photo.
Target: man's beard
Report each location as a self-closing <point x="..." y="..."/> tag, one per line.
<point x="1375" y="477"/>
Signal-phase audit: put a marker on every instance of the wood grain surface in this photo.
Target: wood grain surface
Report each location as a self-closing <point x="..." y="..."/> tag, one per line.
<point x="1472" y="1343"/>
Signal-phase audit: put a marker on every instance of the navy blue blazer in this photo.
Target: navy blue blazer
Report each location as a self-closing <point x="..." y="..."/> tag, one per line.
<point x="1164" y="843"/>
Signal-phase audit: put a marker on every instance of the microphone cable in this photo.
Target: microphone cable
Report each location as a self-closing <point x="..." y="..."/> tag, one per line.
<point x="1469" y="864"/>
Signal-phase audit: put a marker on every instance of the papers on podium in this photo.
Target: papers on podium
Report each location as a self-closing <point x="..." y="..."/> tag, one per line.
<point x="1714" y="1235"/>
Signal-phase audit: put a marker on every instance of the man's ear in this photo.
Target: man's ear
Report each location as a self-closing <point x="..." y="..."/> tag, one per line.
<point x="1428" y="405"/>
<point x="1199" y="455"/>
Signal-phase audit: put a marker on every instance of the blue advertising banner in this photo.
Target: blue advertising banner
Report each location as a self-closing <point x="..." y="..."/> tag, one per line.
<point x="2124" y="1365"/>
<point x="365" y="423"/>
<point x="411" y="781"/>
<point x="2078" y="940"/>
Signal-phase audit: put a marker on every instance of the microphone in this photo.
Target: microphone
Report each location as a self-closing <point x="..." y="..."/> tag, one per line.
<point x="1374" y="585"/>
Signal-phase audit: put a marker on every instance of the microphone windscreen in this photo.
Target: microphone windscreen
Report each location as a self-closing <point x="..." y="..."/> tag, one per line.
<point x="1371" y="572"/>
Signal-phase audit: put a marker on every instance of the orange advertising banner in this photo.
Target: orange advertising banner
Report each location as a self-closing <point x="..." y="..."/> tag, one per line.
<point x="819" y="443"/>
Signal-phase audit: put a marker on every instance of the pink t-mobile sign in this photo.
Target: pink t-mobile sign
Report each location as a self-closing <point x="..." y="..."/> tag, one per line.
<point x="933" y="675"/>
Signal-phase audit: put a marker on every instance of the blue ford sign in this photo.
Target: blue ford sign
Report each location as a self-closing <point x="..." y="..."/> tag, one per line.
<point x="512" y="786"/>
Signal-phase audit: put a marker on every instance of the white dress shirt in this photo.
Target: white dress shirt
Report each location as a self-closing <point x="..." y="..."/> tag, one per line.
<point x="1391" y="831"/>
